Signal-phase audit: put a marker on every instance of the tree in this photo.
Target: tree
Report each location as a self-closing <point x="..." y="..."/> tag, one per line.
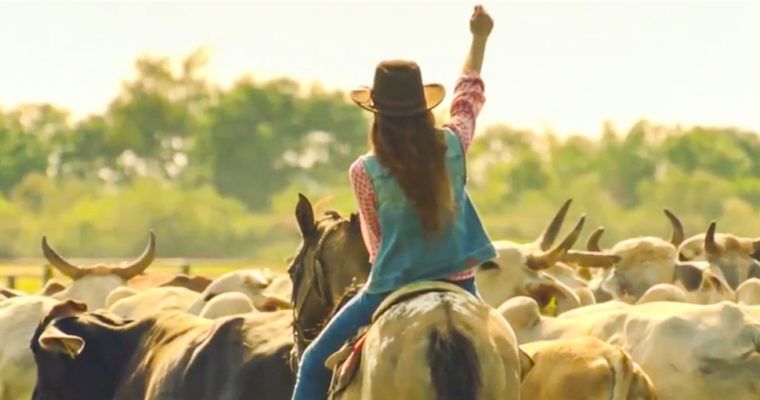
<point x="150" y="126"/>
<point x="262" y="135"/>
<point x="25" y="135"/>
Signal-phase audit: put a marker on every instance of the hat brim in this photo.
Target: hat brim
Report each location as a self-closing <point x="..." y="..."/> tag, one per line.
<point x="434" y="94"/>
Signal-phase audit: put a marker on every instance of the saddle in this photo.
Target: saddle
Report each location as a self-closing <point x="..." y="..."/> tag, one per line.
<point x="345" y="362"/>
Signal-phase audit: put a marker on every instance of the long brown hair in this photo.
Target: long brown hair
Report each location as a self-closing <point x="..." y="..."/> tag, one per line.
<point x="414" y="152"/>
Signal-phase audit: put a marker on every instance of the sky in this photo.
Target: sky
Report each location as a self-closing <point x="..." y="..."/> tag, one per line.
<point x="560" y="66"/>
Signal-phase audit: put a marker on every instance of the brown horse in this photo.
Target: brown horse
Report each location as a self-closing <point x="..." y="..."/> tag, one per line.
<point x="331" y="259"/>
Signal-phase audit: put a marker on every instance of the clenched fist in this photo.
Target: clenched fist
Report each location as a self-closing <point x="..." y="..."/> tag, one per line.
<point x="481" y="23"/>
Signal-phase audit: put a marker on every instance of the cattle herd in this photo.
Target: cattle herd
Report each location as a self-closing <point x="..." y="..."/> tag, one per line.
<point x="645" y="318"/>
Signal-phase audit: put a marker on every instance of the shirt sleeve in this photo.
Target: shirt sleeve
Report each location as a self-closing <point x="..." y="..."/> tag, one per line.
<point x="365" y="200"/>
<point x="469" y="97"/>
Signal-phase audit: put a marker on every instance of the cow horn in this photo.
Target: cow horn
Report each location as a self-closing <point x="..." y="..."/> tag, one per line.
<point x="139" y="265"/>
<point x="547" y="238"/>
<point x="592" y="244"/>
<point x="57" y="262"/>
<point x="549" y="258"/>
<point x="677" y="236"/>
<point x="711" y="246"/>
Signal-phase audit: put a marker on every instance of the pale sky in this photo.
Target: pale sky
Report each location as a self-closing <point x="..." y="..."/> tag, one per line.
<point x="558" y="65"/>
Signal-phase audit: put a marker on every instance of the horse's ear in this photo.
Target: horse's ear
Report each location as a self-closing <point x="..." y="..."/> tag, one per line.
<point x="354" y="219"/>
<point x="305" y="217"/>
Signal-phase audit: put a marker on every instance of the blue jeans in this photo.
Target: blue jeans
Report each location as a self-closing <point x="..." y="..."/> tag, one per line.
<point x="313" y="380"/>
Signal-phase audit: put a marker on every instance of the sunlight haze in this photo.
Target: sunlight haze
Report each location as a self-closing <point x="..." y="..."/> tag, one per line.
<point x="566" y="67"/>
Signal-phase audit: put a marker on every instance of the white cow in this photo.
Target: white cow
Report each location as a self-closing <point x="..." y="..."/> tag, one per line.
<point x="226" y="304"/>
<point x="690" y="351"/>
<point x="19" y="317"/>
<point x="646" y="262"/>
<point x="748" y="292"/>
<point x="91" y="285"/>
<point x="663" y="292"/>
<point x="733" y="256"/>
<point x="251" y="282"/>
<point x="532" y="270"/>
<point x="154" y="300"/>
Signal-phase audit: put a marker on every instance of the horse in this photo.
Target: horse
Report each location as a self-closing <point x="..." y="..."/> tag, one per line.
<point x="428" y="340"/>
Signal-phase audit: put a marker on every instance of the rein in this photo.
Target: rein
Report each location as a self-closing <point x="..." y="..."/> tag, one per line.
<point x="299" y="334"/>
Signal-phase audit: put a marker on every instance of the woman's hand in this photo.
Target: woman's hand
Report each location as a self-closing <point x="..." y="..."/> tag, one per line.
<point x="481" y="23"/>
<point x="480" y="26"/>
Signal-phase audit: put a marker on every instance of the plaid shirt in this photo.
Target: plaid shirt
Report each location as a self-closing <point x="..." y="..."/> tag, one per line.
<point x="468" y="100"/>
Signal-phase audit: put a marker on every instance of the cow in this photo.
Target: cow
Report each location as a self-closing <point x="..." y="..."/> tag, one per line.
<point x="250" y="282"/>
<point x="21" y="315"/>
<point x="731" y="256"/>
<point x="9" y="293"/>
<point x="694" y="247"/>
<point x="154" y="300"/>
<point x="195" y="283"/>
<point x="92" y="284"/>
<point x="170" y="356"/>
<point x="663" y="292"/>
<point x="748" y="292"/>
<point x="532" y="269"/>
<point x="584" y="368"/>
<point x="690" y="351"/>
<point x="50" y="288"/>
<point x="648" y="261"/>
<point x="226" y="304"/>
<point x="18" y="318"/>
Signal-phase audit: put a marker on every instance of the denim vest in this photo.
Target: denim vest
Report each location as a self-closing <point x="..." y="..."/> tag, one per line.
<point x="405" y="254"/>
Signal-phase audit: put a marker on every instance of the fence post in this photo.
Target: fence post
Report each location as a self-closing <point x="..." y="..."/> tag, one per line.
<point x="11" y="281"/>
<point x="47" y="273"/>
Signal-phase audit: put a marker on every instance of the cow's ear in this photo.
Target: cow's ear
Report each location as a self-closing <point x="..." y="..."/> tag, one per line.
<point x="754" y="272"/>
<point x="689" y="275"/>
<point x="490" y="264"/>
<point x="526" y="364"/>
<point x="52" y="287"/>
<point x="67" y="309"/>
<point x="55" y="340"/>
<point x="305" y="217"/>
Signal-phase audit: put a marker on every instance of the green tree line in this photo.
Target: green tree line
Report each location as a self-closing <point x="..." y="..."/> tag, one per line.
<point x="214" y="171"/>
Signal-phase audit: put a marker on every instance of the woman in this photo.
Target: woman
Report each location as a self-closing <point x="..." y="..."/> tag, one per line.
<point x="416" y="218"/>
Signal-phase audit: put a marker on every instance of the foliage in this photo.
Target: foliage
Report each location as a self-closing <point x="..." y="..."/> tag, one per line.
<point x="215" y="172"/>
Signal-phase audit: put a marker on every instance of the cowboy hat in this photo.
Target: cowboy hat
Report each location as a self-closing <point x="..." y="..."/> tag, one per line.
<point x="398" y="90"/>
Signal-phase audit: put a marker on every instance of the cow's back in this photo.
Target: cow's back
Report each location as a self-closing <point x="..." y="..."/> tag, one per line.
<point x="190" y="358"/>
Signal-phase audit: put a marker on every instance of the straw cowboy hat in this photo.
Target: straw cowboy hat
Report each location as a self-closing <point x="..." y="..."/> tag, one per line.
<point x="398" y="90"/>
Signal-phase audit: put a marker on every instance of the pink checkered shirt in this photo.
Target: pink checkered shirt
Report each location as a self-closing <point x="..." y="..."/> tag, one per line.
<point x="468" y="100"/>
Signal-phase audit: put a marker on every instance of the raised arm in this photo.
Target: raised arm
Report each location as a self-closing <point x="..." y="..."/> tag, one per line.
<point x="481" y="25"/>
<point x="469" y="91"/>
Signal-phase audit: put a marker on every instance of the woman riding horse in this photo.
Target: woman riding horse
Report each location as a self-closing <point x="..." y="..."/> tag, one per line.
<point x="416" y="218"/>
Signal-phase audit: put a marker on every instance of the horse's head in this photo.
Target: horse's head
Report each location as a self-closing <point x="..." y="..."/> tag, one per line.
<point x="332" y="257"/>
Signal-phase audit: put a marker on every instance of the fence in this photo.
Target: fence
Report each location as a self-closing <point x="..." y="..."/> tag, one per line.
<point x="13" y="270"/>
